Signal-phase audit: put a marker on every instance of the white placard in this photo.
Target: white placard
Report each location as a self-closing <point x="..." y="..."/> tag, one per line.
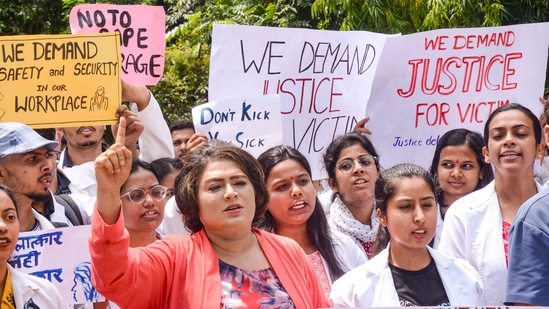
<point x="430" y="82"/>
<point x="253" y="123"/>
<point x="323" y="78"/>
<point x="61" y="256"/>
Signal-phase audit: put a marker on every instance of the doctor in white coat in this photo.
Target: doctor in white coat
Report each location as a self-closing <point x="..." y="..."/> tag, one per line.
<point x="17" y="289"/>
<point x="477" y="225"/>
<point x="408" y="272"/>
<point x="29" y="290"/>
<point x="372" y="285"/>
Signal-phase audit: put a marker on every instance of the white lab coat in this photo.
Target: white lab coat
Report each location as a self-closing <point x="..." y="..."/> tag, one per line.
<point x="85" y="204"/>
<point x="82" y="177"/>
<point x="372" y="285"/>
<point x="438" y="230"/>
<point x="156" y="140"/>
<point x="43" y="223"/>
<point x="326" y="199"/>
<point x="473" y="231"/>
<point x="172" y="223"/>
<point x="58" y="214"/>
<point x="28" y="289"/>
<point x="349" y="254"/>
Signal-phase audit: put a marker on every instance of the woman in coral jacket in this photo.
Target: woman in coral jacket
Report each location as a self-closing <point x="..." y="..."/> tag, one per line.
<point x="226" y="263"/>
<point x="408" y="272"/>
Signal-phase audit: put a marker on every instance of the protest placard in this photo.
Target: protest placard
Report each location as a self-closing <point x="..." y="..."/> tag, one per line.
<point x="451" y="78"/>
<point x="323" y="78"/>
<point x="253" y="123"/>
<point x="38" y="253"/>
<point x="49" y="81"/>
<point x="142" y="36"/>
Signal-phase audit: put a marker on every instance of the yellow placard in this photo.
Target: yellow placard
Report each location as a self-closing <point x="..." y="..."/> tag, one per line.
<point x="50" y="81"/>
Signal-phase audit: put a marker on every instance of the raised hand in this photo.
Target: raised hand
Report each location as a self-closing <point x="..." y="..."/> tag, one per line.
<point x="112" y="169"/>
<point x="197" y="141"/>
<point x="360" y="126"/>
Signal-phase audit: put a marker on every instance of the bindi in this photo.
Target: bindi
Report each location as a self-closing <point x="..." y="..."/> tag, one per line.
<point x="292" y="177"/>
<point x="457" y="161"/>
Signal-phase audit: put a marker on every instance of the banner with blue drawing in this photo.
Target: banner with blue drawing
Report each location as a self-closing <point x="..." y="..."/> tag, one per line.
<point x="60" y="256"/>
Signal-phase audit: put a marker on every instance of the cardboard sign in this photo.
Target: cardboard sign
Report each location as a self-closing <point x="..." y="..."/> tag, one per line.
<point x="451" y="78"/>
<point x="252" y="123"/>
<point x="142" y="36"/>
<point x="49" y="81"/>
<point x="323" y="78"/>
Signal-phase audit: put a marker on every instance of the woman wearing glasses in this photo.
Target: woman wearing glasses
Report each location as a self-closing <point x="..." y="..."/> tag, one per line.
<point x="353" y="167"/>
<point x="143" y="200"/>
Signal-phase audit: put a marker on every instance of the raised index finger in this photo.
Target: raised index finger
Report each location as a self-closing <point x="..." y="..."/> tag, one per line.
<point x="121" y="134"/>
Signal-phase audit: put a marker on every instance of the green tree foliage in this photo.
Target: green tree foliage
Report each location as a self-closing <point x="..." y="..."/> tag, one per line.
<point x="460" y="14"/>
<point x="185" y="81"/>
<point x="43" y="16"/>
<point x="384" y="16"/>
<point x="525" y="11"/>
<point x="409" y="16"/>
<point x="31" y="17"/>
<point x="195" y="22"/>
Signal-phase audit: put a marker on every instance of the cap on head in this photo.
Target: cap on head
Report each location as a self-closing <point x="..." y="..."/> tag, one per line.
<point x="18" y="138"/>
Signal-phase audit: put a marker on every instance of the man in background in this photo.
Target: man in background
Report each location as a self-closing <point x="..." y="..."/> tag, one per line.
<point x="181" y="131"/>
<point x="27" y="166"/>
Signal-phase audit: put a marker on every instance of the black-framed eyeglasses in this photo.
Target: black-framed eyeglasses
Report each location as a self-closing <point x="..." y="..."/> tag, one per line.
<point x="138" y="195"/>
<point x="347" y="165"/>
